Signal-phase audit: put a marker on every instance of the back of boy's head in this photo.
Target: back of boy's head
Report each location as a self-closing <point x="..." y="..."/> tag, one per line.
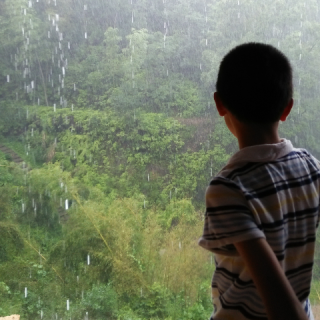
<point x="255" y="83"/>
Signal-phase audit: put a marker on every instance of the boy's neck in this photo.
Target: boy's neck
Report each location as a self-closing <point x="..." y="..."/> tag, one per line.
<point x="251" y="135"/>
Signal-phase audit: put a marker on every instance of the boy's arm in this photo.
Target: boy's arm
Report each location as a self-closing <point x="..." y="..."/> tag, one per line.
<point x="280" y="300"/>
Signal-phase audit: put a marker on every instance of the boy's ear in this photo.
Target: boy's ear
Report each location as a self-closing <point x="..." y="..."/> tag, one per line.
<point x="220" y="107"/>
<point x="287" y="111"/>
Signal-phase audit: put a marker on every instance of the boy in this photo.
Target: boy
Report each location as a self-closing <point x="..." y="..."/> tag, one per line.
<point x="262" y="207"/>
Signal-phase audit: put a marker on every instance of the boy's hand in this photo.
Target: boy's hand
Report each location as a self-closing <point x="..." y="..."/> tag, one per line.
<point x="280" y="300"/>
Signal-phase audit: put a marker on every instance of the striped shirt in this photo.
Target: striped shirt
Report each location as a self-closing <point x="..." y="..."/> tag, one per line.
<point x="266" y="191"/>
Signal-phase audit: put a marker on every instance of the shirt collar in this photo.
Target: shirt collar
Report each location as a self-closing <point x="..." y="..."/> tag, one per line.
<point x="262" y="152"/>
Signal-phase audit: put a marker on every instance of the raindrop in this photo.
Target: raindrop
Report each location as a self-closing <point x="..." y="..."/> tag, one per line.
<point x="148" y="177"/>
<point x="74" y="87"/>
<point x="179" y="245"/>
<point x="68" y="305"/>
<point x="8" y="78"/>
<point x="54" y="108"/>
<point x="66" y="204"/>
<point x="85" y="7"/>
<point x="85" y="35"/>
<point x="23" y="207"/>
<point x="88" y="259"/>
<point x="25" y="292"/>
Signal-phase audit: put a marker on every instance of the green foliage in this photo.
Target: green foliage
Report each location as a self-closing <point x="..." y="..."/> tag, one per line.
<point x="175" y="211"/>
<point x="153" y="303"/>
<point x="11" y="242"/>
<point x="101" y="302"/>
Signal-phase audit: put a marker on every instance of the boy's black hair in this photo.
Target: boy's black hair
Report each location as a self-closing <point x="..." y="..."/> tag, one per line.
<point x="255" y="83"/>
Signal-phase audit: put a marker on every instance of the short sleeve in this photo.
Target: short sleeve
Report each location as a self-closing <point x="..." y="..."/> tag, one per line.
<point x="228" y="218"/>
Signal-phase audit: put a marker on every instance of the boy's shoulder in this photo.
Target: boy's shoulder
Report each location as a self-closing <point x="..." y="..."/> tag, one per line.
<point x="251" y="163"/>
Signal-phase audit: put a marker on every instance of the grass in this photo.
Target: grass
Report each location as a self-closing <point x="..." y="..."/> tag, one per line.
<point x="315" y="292"/>
<point x="19" y="148"/>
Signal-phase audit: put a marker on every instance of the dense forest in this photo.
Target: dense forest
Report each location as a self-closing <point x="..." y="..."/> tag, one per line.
<point x="108" y="139"/>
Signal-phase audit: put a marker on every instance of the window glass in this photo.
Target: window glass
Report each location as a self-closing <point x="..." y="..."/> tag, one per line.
<point x="108" y="139"/>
